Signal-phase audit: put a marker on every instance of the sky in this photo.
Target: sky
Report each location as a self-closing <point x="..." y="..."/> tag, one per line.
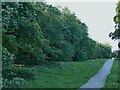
<point x="97" y="15"/>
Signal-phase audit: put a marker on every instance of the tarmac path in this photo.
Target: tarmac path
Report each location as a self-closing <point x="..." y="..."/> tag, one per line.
<point x="98" y="81"/>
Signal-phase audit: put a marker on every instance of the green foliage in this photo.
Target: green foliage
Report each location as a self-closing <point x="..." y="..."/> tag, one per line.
<point x="8" y="76"/>
<point x="24" y="73"/>
<point x="7" y="60"/>
<point x="36" y="32"/>
<point x="13" y="83"/>
<point x="116" y="34"/>
<point x="21" y="33"/>
<point x="12" y="76"/>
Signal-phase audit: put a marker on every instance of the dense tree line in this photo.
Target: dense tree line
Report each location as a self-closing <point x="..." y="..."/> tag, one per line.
<point x="35" y="32"/>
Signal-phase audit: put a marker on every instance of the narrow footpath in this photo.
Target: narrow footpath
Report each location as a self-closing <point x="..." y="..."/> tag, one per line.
<point x="98" y="81"/>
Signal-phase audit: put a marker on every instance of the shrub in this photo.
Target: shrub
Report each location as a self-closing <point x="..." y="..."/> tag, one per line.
<point x="8" y="75"/>
<point x="13" y="83"/>
<point x="24" y="73"/>
<point x="7" y="60"/>
<point x="13" y="76"/>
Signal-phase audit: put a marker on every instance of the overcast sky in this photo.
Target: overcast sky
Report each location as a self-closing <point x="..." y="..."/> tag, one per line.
<point x="98" y="16"/>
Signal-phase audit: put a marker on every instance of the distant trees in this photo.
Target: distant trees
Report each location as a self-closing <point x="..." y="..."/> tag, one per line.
<point x="36" y="32"/>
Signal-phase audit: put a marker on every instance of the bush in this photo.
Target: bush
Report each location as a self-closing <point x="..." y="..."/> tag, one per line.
<point x="13" y="76"/>
<point x="13" y="83"/>
<point x="8" y="75"/>
<point x="24" y="73"/>
<point x="7" y="61"/>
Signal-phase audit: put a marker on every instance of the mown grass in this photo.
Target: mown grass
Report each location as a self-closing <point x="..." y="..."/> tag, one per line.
<point x="113" y="80"/>
<point x="70" y="75"/>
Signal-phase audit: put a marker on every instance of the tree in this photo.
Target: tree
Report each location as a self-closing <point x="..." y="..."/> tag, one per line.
<point x="21" y="33"/>
<point x="116" y="34"/>
<point x="38" y="32"/>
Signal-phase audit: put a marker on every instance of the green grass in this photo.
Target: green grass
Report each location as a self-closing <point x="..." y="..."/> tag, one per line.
<point x="71" y="75"/>
<point x="112" y="80"/>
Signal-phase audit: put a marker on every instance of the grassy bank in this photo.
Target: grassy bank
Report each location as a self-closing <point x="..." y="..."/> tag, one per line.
<point x="70" y="75"/>
<point x="112" y="79"/>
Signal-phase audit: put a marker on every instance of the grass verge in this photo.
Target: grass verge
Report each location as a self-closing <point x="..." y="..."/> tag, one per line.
<point x="70" y="75"/>
<point x="112" y="80"/>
